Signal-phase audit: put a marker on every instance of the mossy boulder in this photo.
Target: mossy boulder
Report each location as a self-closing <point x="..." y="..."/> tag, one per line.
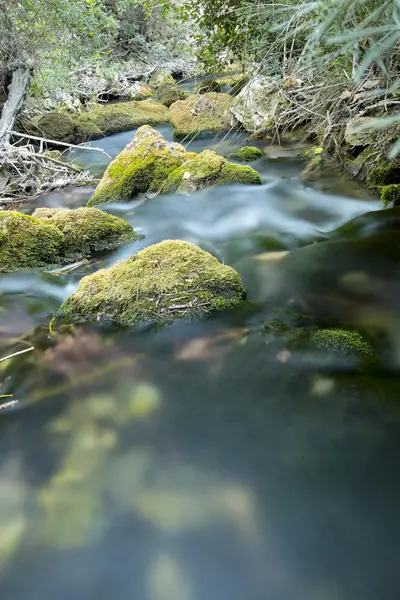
<point x="100" y="120"/>
<point x="165" y="282"/>
<point x="142" y="166"/>
<point x="208" y="85"/>
<point x="196" y="114"/>
<point x="168" y="93"/>
<point x="87" y="230"/>
<point x="160" y="77"/>
<point x="114" y="118"/>
<point x="247" y="154"/>
<point x="58" y="126"/>
<point x="390" y="194"/>
<point x="27" y="242"/>
<point x="208" y="169"/>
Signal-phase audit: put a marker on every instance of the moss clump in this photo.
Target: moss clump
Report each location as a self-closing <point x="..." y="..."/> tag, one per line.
<point x="384" y="174"/>
<point x="168" y="93"/>
<point x="247" y="154"/>
<point x="160" y="77"/>
<point x="207" y="169"/>
<point x="165" y="282"/>
<point x="343" y="341"/>
<point x="209" y="112"/>
<point x="114" y="118"/>
<point x="142" y="166"/>
<point x="208" y="85"/>
<point x="390" y="194"/>
<point x="57" y="126"/>
<point x="87" y="230"/>
<point x="27" y="242"/>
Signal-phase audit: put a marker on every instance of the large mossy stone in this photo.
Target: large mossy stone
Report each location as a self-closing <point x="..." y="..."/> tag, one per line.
<point x="168" y="93"/>
<point x="208" y="85"/>
<point x="100" y="120"/>
<point x="247" y="154"/>
<point x="27" y="242"/>
<point x="162" y="283"/>
<point x="87" y="230"/>
<point x="160" y="77"/>
<point x="142" y="166"/>
<point x="208" y="169"/>
<point x="197" y="114"/>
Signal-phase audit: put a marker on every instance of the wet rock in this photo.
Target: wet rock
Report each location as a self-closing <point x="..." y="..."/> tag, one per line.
<point x="208" y="85"/>
<point x="87" y="230"/>
<point x="256" y="105"/>
<point x="354" y="137"/>
<point x="142" y="166"/>
<point x="196" y="114"/>
<point x="390" y="194"/>
<point x="208" y="169"/>
<point x="165" y="282"/>
<point x="27" y="242"/>
<point x="159" y="77"/>
<point x="137" y="91"/>
<point x="168" y="93"/>
<point x="384" y="173"/>
<point x="246" y="154"/>
<point x="100" y="120"/>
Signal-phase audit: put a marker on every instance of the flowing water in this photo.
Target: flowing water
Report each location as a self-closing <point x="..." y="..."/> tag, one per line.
<point x="204" y="460"/>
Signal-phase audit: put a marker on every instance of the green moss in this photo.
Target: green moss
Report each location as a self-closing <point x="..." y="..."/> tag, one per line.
<point x="390" y="194"/>
<point x="57" y="126"/>
<point x="27" y="242"/>
<point x="142" y="166"/>
<point x="207" y="169"/>
<point x="160" y="77"/>
<point x="168" y="281"/>
<point x="247" y="154"/>
<point x="209" y="112"/>
<point x="168" y="93"/>
<point x="87" y="230"/>
<point x="384" y="174"/>
<point x="208" y="85"/>
<point x="87" y="130"/>
<point x="122" y="116"/>
<point x="343" y="341"/>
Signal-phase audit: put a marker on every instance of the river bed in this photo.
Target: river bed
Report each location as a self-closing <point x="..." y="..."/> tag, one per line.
<point x="198" y="461"/>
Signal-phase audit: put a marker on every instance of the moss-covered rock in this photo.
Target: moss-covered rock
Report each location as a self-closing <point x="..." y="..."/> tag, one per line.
<point x="100" y="120"/>
<point x="27" y="242"/>
<point x="343" y="341"/>
<point x="58" y="126"/>
<point x="160" y="77"/>
<point x="114" y="118"/>
<point x="168" y="93"/>
<point x="390" y="194"/>
<point x="87" y="230"/>
<point x="247" y="154"/>
<point x="142" y="166"/>
<point x="208" y="85"/>
<point x="165" y="282"/>
<point x="209" y="112"/>
<point x="384" y="174"/>
<point x="207" y="169"/>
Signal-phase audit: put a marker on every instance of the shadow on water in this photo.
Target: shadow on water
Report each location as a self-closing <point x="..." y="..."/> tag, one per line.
<point x="204" y="460"/>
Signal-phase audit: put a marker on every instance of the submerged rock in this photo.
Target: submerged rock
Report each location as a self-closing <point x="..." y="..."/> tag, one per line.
<point x="209" y="112"/>
<point x="256" y="105"/>
<point x="168" y="93"/>
<point x="101" y="120"/>
<point x="208" y="169"/>
<point x="87" y="230"/>
<point x="142" y="166"/>
<point x="165" y="282"/>
<point x="27" y="242"/>
<point x="247" y="154"/>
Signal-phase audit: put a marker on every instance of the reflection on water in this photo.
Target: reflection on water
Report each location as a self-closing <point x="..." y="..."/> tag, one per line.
<point x="205" y="460"/>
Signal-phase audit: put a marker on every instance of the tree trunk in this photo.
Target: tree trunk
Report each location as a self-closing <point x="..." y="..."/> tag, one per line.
<point x="17" y="91"/>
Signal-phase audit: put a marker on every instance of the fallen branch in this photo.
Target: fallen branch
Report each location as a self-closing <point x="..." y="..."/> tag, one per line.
<point x="16" y="354"/>
<point x="57" y="143"/>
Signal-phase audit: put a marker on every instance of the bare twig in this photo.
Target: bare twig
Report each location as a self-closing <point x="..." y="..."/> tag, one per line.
<point x="16" y="354"/>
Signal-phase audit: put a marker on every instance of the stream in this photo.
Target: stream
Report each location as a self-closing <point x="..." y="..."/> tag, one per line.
<point x="199" y="461"/>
